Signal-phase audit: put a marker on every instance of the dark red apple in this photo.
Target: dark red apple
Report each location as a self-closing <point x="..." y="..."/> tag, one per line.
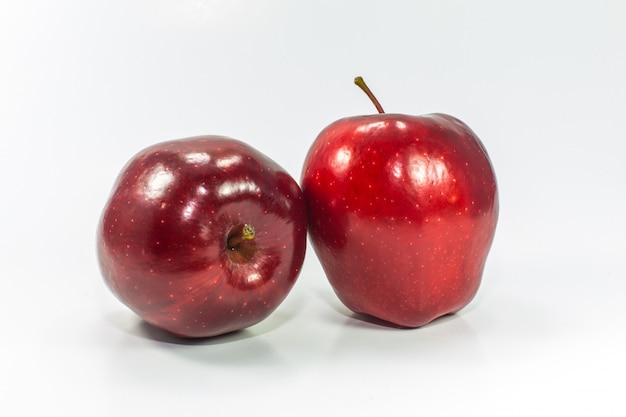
<point x="402" y="213"/>
<point x="202" y="236"/>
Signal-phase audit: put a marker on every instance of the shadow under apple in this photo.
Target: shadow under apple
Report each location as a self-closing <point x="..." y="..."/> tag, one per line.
<point x="447" y="339"/>
<point x="246" y="347"/>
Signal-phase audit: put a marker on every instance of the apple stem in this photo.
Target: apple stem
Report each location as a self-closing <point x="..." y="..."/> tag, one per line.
<point x="239" y="235"/>
<point x="361" y="83"/>
<point x="248" y="232"/>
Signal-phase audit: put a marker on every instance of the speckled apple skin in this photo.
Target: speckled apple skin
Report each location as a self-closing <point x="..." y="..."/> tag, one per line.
<point x="402" y="213"/>
<point x="162" y="239"/>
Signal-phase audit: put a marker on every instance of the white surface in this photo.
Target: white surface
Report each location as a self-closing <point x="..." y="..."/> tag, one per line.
<point x="85" y="84"/>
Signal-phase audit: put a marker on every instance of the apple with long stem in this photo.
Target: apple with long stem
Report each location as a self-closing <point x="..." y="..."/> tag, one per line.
<point x="202" y="236"/>
<point x="402" y="213"/>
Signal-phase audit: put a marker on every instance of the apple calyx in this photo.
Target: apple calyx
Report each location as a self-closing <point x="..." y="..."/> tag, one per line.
<point x="360" y="82"/>
<point x="240" y="243"/>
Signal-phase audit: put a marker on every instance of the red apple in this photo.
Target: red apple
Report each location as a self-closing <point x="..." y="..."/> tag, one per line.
<point x="202" y="236"/>
<point x="402" y="213"/>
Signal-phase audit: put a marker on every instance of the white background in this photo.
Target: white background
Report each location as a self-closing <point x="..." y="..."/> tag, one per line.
<point x="86" y="84"/>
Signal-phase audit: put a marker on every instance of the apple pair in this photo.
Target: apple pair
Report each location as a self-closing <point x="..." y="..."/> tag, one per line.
<point x="206" y="235"/>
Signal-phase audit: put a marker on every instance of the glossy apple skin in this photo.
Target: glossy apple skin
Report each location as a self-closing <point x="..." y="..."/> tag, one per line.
<point x="163" y="237"/>
<point x="402" y="213"/>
